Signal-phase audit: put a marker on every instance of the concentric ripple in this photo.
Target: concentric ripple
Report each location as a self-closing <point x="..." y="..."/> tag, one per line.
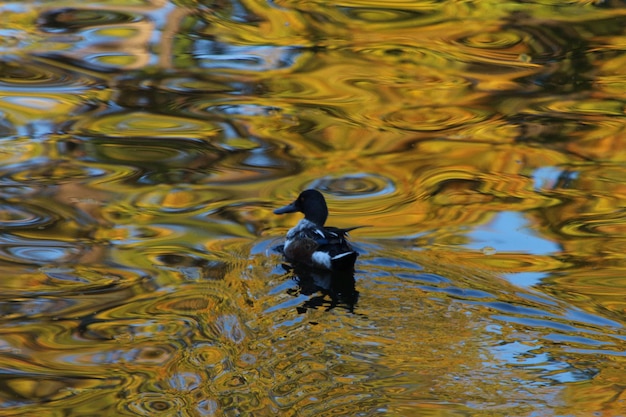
<point x="67" y="20"/>
<point x="24" y="75"/>
<point x="414" y="54"/>
<point x="579" y="108"/>
<point x="177" y="152"/>
<point x="143" y="124"/>
<point x="435" y="118"/>
<point x="382" y="15"/>
<point x="360" y="185"/>
<point x="47" y="174"/>
<point x="150" y="404"/>
<point x="12" y="216"/>
<point x="492" y="40"/>
<point x="53" y="252"/>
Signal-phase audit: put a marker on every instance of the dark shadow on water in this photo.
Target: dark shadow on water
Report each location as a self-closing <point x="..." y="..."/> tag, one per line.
<point x="328" y="289"/>
<point x="338" y="286"/>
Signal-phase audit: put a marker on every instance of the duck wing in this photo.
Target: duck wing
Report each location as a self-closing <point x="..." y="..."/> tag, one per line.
<point x="341" y="231"/>
<point x="334" y="235"/>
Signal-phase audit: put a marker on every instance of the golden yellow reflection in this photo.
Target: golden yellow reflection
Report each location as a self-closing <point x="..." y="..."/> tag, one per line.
<point x="145" y="147"/>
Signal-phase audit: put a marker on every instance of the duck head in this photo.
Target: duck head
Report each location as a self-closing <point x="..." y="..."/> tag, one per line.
<point x="311" y="203"/>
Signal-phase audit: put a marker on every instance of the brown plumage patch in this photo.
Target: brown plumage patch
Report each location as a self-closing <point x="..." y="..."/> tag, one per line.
<point x="301" y="249"/>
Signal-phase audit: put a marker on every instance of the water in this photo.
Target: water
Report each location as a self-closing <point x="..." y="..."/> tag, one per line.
<point x="145" y="144"/>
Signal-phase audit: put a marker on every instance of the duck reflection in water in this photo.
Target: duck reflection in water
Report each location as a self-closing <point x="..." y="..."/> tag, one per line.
<point x="320" y="256"/>
<point x="339" y="286"/>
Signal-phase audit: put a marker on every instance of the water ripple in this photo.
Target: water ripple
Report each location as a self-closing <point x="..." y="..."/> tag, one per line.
<point x="221" y="56"/>
<point x="194" y="84"/>
<point x="361" y="185"/>
<point x="52" y="174"/>
<point x="149" y="404"/>
<point x="172" y="200"/>
<point x="12" y="216"/>
<point x="19" y="75"/>
<point x="610" y="226"/>
<point x="16" y="189"/>
<point x="41" y="252"/>
<point x="435" y="118"/>
<point x="177" y="160"/>
<point x="492" y="40"/>
<point x="144" y="125"/>
<point x="577" y="108"/>
<point x="70" y="19"/>
<point x="132" y="199"/>
<point x="402" y="54"/>
<point x="383" y="15"/>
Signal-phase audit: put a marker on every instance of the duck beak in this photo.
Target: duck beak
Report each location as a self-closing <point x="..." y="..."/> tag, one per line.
<point x="289" y="208"/>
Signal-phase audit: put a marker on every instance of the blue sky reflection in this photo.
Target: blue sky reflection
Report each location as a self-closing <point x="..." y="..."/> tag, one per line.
<point x="509" y="232"/>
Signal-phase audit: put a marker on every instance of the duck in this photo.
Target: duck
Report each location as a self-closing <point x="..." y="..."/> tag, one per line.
<point x="312" y="244"/>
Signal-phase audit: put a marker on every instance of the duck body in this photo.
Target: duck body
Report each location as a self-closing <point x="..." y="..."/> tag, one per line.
<point x="311" y="243"/>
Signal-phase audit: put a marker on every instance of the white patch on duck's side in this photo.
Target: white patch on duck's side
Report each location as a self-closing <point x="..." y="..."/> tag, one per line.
<point x="321" y="259"/>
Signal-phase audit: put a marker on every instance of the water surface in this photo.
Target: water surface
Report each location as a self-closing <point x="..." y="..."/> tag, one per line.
<point x="144" y="145"/>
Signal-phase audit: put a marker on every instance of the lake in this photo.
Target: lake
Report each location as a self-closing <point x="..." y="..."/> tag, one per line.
<point x="145" y="144"/>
